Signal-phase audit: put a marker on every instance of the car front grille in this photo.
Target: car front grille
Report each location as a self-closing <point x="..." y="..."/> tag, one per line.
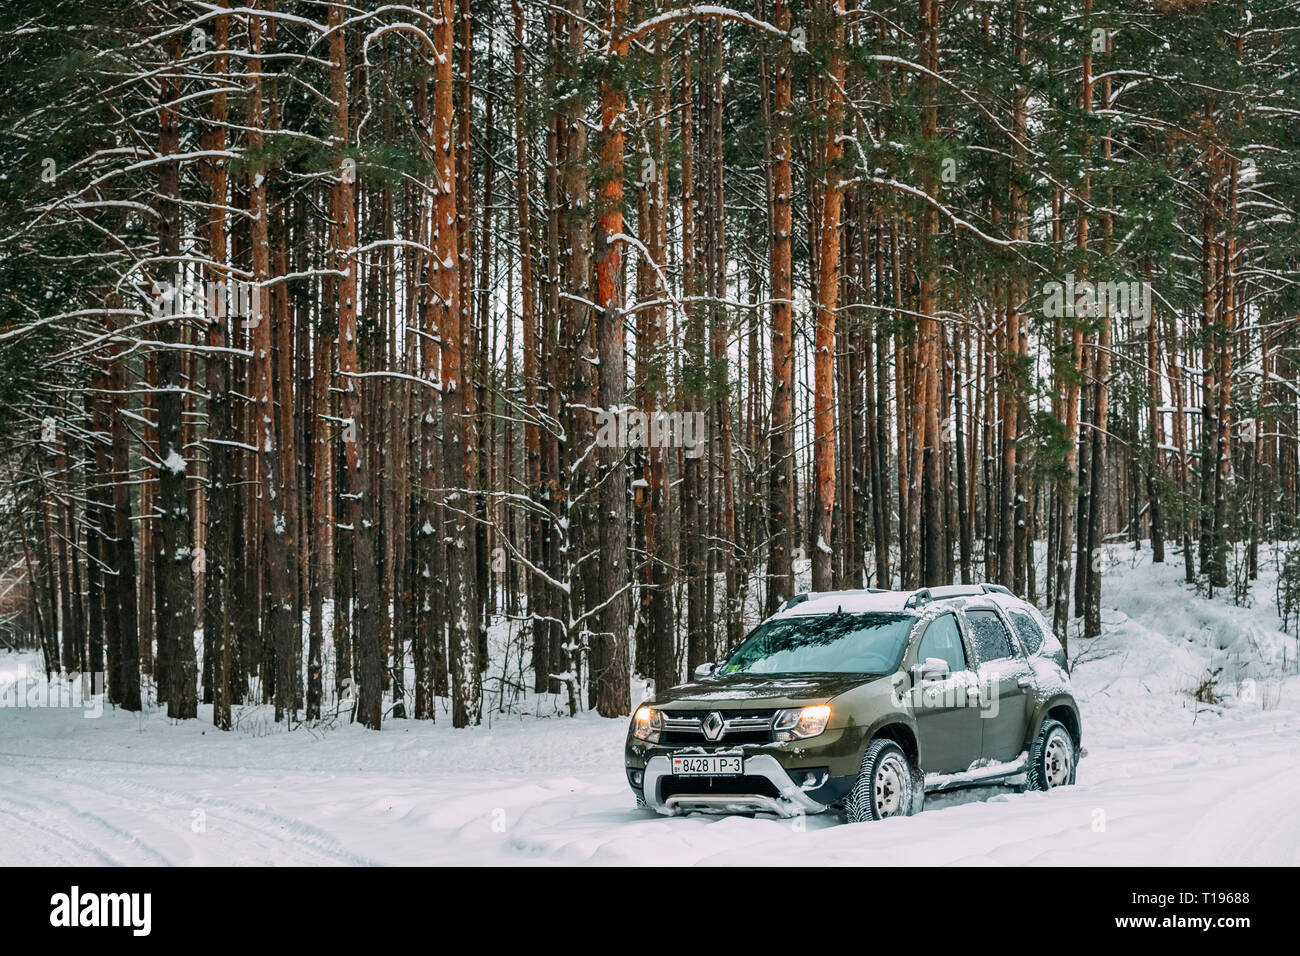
<point x="717" y="786"/>
<point x="732" y="727"/>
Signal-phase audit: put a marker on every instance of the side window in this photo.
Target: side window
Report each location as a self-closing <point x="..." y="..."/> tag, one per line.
<point x="1027" y="629"/>
<point x="943" y="640"/>
<point x="990" y="637"/>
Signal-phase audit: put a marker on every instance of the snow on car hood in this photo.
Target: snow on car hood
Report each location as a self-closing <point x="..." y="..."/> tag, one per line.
<point x="747" y="690"/>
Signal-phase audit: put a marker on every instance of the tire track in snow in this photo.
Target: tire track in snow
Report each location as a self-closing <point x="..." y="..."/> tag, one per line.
<point x="30" y="813"/>
<point x="254" y="834"/>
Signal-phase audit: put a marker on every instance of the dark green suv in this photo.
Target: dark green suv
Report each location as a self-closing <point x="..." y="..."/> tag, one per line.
<point x="864" y="700"/>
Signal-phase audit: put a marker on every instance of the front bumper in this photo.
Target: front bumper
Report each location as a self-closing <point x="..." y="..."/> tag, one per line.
<point x="774" y="790"/>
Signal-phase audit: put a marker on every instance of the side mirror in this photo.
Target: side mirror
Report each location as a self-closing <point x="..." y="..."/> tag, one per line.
<point x="931" y="669"/>
<point x="705" y="670"/>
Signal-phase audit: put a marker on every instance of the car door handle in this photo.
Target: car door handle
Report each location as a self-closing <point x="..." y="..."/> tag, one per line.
<point x="972" y="691"/>
<point x="1023" y="682"/>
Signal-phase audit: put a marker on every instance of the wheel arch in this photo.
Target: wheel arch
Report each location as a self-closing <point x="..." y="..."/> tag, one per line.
<point x="900" y="730"/>
<point x="1062" y="708"/>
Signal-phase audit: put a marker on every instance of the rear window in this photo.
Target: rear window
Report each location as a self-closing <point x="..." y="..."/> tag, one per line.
<point x="1027" y="629"/>
<point x="992" y="642"/>
<point x="825" y="643"/>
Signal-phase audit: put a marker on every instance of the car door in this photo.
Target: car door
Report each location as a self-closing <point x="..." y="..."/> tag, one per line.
<point x="1004" y="679"/>
<point x="947" y="721"/>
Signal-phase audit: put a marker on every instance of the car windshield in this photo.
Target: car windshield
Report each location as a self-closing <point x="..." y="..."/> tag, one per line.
<point x="823" y="643"/>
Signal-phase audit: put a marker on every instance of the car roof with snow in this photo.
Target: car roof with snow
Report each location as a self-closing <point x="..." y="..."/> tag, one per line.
<point x="930" y="602"/>
<point x="865" y="600"/>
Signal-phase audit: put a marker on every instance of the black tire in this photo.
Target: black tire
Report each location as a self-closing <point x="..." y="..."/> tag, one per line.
<point x="886" y="785"/>
<point x="1053" y="758"/>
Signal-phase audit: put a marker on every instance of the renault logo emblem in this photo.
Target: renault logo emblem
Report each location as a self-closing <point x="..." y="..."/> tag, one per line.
<point x="712" y="725"/>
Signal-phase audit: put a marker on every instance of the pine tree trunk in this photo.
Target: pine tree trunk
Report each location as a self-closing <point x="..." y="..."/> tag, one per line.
<point x="369" y="675"/>
<point x="613" y="696"/>
<point x="175" y="598"/>
<point x="828" y="286"/>
<point x="780" y="570"/>
<point x="218" y="597"/>
<point x="463" y="649"/>
<point x="934" y="540"/>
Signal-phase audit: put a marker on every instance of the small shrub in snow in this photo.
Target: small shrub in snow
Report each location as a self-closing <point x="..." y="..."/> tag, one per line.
<point x="1207" y="688"/>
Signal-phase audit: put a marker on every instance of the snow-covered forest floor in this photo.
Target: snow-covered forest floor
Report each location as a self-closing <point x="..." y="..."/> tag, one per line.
<point x="1167" y="779"/>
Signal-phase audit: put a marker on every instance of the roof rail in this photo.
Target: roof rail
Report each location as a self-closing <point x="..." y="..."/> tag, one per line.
<point x="797" y="599"/>
<point x="814" y="595"/>
<point x="944" y="592"/>
<point x="918" y="598"/>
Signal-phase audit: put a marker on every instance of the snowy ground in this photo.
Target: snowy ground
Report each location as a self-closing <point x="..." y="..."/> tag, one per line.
<point x="1166" y="781"/>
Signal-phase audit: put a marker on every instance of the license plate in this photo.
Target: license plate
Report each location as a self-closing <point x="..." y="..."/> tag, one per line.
<point x="716" y="766"/>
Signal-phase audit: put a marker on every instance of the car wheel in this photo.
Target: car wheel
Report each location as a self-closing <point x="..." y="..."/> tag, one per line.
<point x="1052" y="758"/>
<point x="885" y="786"/>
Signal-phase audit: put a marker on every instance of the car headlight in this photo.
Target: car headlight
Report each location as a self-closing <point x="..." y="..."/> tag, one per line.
<point x="804" y="722"/>
<point x="647" y="723"/>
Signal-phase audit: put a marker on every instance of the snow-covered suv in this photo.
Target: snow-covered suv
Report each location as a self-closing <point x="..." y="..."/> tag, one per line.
<point x="864" y="700"/>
